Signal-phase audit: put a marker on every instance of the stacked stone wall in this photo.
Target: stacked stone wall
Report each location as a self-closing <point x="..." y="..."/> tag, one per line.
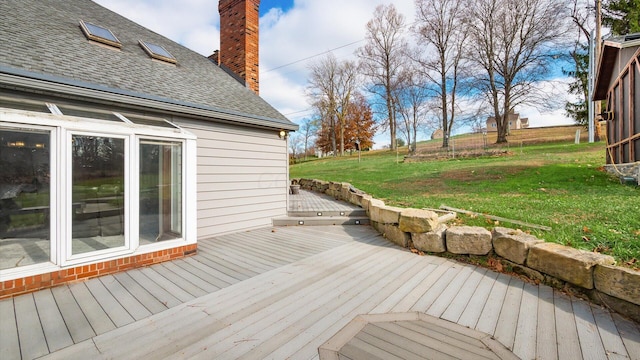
<point x="592" y="274"/>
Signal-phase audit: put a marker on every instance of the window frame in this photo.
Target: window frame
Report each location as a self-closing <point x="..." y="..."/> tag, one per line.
<point x="53" y="191"/>
<point x="62" y="128"/>
<point x="183" y="188"/>
<point x="68" y="258"/>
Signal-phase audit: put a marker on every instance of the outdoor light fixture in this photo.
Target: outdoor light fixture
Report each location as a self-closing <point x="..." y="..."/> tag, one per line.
<point x="319" y="214"/>
<point x="283" y="134"/>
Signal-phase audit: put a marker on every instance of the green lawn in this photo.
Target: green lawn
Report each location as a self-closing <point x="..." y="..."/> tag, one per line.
<point x="557" y="185"/>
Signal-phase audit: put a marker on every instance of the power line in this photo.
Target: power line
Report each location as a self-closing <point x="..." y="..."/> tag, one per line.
<point x="297" y="112"/>
<point x="313" y="56"/>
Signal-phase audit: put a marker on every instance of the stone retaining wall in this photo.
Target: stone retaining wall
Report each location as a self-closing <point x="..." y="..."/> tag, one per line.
<point x="631" y="170"/>
<point x="592" y="274"/>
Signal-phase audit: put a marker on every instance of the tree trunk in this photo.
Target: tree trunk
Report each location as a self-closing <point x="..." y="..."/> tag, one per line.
<point x="333" y="135"/>
<point x="392" y="120"/>
<point x="342" y="125"/>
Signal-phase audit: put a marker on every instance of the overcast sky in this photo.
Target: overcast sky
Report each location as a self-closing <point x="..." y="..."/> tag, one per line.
<point x="292" y="34"/>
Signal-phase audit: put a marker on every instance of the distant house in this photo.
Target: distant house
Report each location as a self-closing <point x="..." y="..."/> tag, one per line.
<point x="618" y="82"/>
<point x="515" y="122"/>
<point x="121" y="148"/>
<point x="438" y="134"/>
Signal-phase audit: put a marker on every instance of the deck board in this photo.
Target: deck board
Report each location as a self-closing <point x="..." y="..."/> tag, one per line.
<point x="75" y="319"/>
<point x="191" y="278"/>
<point x="449" y="293"/>
<point x="613" y="345"/>
<point x="566" y="331"/>
<point x="508" y="320"/>
<point x="31" y="334"/>
<point x="425" y="301"/>
<point x="130" y="303"/>
<point x="472" y="312"/>
<point x="414" y="295"/>
<point x="491" y="311"/>
<point x="9" y="341"/>
<point x="156" y="290"/>
<point x="55" y="330"/>
<point x="270" y="315"/>
<point x="150" y="302"/>
<point x="326" y="324"/>
<point x="277" y="293"/>
<point x="93" y="312"/>
<point x="396" y="341"/>
<point x="316" y="310"/>
<point x="406" y="283"/>
<point x="590" y="340"/>
<point x="526" y="331"/>
<point x="228" y="306"/>
<point x="436" y="338"/>
<point x="546" y="339"/>
<point x="463" y="296"/>
<point x="630" y="335"/>
<point x="116" y="312"/>
<point x="156" y="275"/>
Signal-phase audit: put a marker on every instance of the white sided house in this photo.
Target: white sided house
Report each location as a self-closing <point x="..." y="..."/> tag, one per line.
<point x="121" y="148"/>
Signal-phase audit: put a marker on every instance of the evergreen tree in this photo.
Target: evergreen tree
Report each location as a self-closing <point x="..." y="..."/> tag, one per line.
<point x="622" y="16"/>
<point x="579" y="110"/>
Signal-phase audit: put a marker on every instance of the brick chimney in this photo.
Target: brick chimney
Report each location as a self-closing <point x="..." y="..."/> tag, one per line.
<point x="239" y="24"/>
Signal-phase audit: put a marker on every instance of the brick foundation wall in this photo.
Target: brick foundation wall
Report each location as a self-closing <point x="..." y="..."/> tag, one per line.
<point x="28" y="284"/>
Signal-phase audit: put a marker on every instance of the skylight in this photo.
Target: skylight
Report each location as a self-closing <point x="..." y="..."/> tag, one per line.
<point x="157" y="52"/>
<point x="99" y="34"/>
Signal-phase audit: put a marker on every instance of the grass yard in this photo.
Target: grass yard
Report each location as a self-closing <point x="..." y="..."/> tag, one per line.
<point x="557" y="185"/>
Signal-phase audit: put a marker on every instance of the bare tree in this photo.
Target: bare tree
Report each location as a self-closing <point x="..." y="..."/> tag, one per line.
<point x="308" y="129"/>
<point x="412" y="106"/>
<point x="514" y="43"/>
<point x="442" y="32"/>
<point x="322" y="92"/>
<point x="382" y="59"/>
<point x="347" y="81"/>
<point x="295" y="143"/>
<point x="330" y="88"/>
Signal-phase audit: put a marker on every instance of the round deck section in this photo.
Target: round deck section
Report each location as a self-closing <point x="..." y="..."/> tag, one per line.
<point x="410" y="336"/>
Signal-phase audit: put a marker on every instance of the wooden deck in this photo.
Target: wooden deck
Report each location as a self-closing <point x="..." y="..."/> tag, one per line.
<point x="283" y="292"/>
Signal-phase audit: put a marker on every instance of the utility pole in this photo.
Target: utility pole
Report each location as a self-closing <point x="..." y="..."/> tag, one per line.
<point x="591" y="79"/>
<point x="598" y="42"/>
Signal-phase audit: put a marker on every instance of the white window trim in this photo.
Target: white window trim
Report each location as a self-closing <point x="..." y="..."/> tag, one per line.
<point x="68" y="258"/>
<point x="61" y="128"/>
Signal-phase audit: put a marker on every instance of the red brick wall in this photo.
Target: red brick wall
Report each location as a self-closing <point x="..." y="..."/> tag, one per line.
<point x="37" y="282"/>
<point x="239" y="24"/>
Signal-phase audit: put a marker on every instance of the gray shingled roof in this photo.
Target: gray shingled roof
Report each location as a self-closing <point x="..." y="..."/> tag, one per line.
<point x="41" y="39"/>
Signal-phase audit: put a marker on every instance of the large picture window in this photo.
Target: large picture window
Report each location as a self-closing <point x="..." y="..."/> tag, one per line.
<point x="76" y="189"/>
<point x="98" y="184"/>
<point x="25" y="163"/>
<point x="160" y="191"/>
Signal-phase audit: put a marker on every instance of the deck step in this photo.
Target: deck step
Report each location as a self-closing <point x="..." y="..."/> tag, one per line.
<point x="329" y="213"/>
<point x="320" y="220"/>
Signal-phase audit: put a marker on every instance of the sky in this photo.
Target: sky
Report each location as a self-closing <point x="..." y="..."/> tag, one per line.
<point x="293" y="34"/>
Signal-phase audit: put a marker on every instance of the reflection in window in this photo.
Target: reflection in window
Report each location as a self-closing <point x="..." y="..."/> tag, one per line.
<point x="160" y="191"/>
<point x="24" y="198"/>
<point x="98" y="193"/>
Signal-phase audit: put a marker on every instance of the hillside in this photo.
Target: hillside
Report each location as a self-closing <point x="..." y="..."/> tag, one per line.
<point x="516" y="138"/>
